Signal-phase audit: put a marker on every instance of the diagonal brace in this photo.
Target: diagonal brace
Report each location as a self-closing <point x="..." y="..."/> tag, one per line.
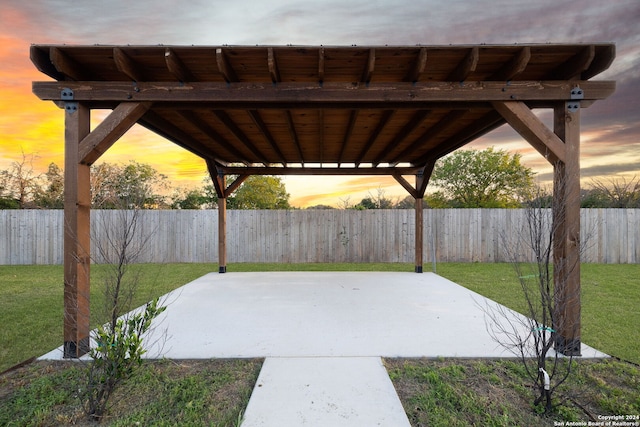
<point x="531" y="128"/>
<point x="121" y="119"/>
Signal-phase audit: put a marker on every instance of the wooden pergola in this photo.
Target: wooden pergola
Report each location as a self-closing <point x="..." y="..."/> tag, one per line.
<point x="294" y="110"/>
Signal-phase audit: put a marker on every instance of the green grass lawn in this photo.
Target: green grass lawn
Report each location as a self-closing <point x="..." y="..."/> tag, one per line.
<point x="31" y="299"/>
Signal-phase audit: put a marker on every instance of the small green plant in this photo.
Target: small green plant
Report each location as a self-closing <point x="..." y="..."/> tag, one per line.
<point x="118" y="352"/>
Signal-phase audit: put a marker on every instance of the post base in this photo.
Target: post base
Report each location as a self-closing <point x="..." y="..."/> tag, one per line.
<point x="222" y="269"/>
<point x="75" y="350"/>
<point x="418" y="269"/>
<point x="567" y="347"/>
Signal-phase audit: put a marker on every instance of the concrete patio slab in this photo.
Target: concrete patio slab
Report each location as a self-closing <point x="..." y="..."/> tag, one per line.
<point x="329" y="391"/>
<point x="323" y="314"/>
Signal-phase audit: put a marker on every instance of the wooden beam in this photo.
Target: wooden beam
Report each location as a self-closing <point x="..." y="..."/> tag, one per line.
<point x="321" y="65"/>
<point x="116" y="124"/>
<point x="162" y="127"/>
<point x="369" y="68"/>
<point x="423" y="177"/>
<point x="222" y="235"/>
<point x="177" y="67"/>
<point x="270" y="170"/>
<point x="566" y="238"/>
<point x="487" y="123"/>
<point x="443" y="124"/>
<point x="41" y="58"/>
<point x="217" y="178"/>
<point x="330" y="95"/>
<point x="65" y="65"/>
<point x="601" y="62"/>
<point x="531" y="128"/>
<point x="211" y="133"/>
<point x="224" y="67"/>
<point x="273" y="66"/>
<point x="384" y="120"/>
<point x="321" y="135"/>
<point x="419" y="207"/>
<point x="515" y="66"/>
<point x="415" y="121"/>
<point x="406" y="185"/>
<point x="77" y="241"/>
<point x="573" y="68"/>
<point x="126" y="65"/>
<point x="264" y="129"/>
<point x="419" y="67"/>
<point x="294" y="135"/>
<point x="466" y="66"/>
<point x="353" y="117"/>
<point x="239" y="134"/>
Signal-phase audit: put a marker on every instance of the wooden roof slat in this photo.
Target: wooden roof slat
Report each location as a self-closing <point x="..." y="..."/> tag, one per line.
<point x="489" y="121"/>
<point x="240" y="135"/>
<point x="384" y="121"/>
<point x="418" y="67"/>
<point x="321" y="65"/>
<point x="466" y="66"/>
<point x="294" y="135"/>
<point x="157" y="124"/>
<point x="515" y="66"/>
<point x="204" y="127"/>
<point x="128" y="66"/>
<point x="224" y="66"/>
<point x="346" y="138"/>
<point x="369" y="67"/>
<point x="264" y="129"/>
<point x="321" y="136"/>
<point x="576" y="65"/>
<point x="409" y="127"/>
<point x="273" y="66"/>
<point x="601" y="62"/>
<point x="41" y="58"/>
<point x="447" y="121"/>
<point x="67" y="66"/>
<point x="177" y="67"/>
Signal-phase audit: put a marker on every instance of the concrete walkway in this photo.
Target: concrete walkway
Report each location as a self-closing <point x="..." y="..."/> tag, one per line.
<point x="323" y="335"/>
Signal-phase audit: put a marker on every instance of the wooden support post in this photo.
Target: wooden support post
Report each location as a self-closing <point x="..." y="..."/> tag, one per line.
<point x="566" y="245"/>
<point x="222" y="234"/>
<point x="419" y="233"/>
<point x="77" y="207"/>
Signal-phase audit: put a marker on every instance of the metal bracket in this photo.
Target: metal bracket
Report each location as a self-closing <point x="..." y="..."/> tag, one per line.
<point x="66" y="95"/>
<point x="577" y="93"/>
<point x="70" y="107"/>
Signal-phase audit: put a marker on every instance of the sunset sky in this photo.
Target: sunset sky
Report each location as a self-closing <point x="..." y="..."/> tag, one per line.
<point x="610" y="128"/>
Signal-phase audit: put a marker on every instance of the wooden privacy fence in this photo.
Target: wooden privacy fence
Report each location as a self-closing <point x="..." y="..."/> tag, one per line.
<point x="293" y="236"/>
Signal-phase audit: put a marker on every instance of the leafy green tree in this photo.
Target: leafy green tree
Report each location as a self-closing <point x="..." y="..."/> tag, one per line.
<point x="7" y="201"/>
<point x="483" y="179"/>
<point x="190" y="199"/>
<point x="134" y="186"/>
<point x="375" y="201"/>
<point x="50" y="195"/>
<point x="260" y="192"/>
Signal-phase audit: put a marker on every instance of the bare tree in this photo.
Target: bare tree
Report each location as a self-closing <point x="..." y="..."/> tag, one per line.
<point x="118" y="349"/>
<point x="618" y="192"/>
<point x="533" y="337"/>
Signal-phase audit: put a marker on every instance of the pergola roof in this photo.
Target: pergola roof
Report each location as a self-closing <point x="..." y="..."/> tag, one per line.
<point x="359" y="109"/>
